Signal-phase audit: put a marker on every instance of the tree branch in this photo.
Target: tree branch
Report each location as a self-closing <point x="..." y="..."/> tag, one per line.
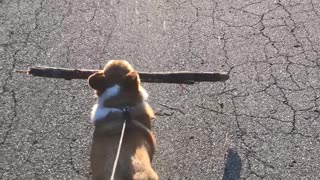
<point x="153" y="77"/>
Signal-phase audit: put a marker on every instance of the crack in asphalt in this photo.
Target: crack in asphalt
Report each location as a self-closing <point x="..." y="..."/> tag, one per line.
<point x="281" y="69"/>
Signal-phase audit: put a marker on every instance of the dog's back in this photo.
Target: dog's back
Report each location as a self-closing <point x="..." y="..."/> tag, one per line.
<point x="134" y="160"/>
<point x="118" y="86"/>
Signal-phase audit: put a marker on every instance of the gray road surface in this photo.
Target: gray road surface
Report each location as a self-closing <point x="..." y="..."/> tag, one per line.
<point x="268" y="112"/>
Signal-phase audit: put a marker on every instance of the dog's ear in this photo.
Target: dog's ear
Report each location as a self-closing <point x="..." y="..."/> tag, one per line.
<point x="97" y="81"/>
<point x="132" y="81"/>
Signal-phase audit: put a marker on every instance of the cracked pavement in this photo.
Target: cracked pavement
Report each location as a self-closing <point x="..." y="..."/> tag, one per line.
<point x="268" y="109"/>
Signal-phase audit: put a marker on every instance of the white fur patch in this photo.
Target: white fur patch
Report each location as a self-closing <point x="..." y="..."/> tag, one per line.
<point x="108" y="93"/>
<point x="98" y="110"/>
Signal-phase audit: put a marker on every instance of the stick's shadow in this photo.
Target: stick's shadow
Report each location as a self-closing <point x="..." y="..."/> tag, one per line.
<point x="232" y="166"/>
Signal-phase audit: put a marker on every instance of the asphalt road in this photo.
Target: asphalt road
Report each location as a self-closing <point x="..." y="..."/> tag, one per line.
<point x="268" y="112"/>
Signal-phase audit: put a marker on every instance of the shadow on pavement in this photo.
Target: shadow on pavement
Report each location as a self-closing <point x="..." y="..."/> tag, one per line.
<point x="232" y="166"/>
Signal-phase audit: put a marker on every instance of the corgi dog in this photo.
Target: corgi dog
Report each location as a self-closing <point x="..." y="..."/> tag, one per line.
<point x="121" y="97"/>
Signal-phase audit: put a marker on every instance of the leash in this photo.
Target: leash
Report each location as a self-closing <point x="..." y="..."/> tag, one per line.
<point x="127" y="116"/>
<point x="118" y="152"/>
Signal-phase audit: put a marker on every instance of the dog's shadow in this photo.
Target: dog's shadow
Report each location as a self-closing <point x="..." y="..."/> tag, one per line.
<point x="232" y="166"/>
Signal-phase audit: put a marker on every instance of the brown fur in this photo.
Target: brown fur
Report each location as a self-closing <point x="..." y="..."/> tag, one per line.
<point x="138" y="144"/>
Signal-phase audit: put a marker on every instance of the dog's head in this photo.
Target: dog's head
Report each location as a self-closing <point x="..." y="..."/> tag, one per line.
<point x="118" y="84"/>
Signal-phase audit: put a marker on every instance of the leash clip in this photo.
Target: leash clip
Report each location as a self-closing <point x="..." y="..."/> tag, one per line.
<point x="126" y="113"/>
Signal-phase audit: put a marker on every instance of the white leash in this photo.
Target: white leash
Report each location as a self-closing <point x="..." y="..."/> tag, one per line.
<point x="118" y="152"/>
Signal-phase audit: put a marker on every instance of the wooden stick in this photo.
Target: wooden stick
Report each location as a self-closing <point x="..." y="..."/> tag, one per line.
<point x="152" y="77"/>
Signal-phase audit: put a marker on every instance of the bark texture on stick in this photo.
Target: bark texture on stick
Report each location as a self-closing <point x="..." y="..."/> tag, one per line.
<point x="153" y="77"/>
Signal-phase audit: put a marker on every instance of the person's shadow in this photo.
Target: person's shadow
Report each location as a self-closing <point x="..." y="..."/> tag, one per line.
<point x="232" y="166"/>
